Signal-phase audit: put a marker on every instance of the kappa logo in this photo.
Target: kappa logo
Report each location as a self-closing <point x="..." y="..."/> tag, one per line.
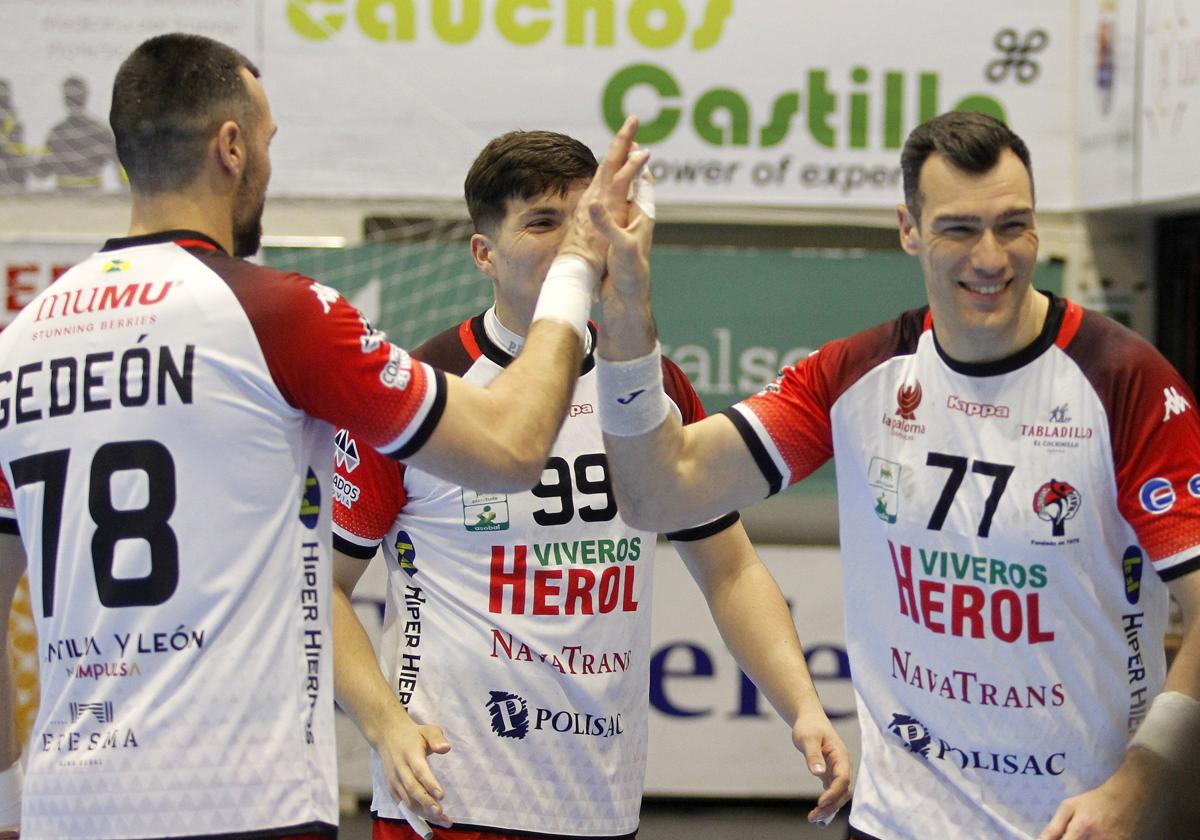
<point x="326" y="295"/>
<point x="912" y="733"/>
<point x="345" y="451"/>
<point x="1174" y="403"/>
<point x="908" y="397"/>
<point x="509" y="713"/>
<point x="1056" y="502"/>
<point x="975" y="409"/>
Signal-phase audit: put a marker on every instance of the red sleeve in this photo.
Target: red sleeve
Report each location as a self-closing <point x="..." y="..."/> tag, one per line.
<point x="328" y="361"/>
<point x="681" y="392"/>
<point x="787" y="426"/>
<point x="8" y="514"/>
<point x="368" y="494"/>
<point x="1155" y="440"/>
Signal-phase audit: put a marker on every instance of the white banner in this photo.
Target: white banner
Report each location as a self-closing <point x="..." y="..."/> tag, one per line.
<point x="763" y="103"/>
<point x="711" y="732"/>
<point x="1170" y="118"/>
<point x="1106" y="66"/>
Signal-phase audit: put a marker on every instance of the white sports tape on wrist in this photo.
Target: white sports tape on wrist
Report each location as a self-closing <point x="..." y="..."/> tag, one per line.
<point x="641" y="192"/>
<point x="11" y="781"/>
<point x="632" y="400"/>
<point x="568" y="292"/>
<point x="1170" y="728"/>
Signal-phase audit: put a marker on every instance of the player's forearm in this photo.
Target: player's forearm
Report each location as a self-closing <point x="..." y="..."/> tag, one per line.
<point x="758" y="629"/>
<point x="359" y="686"/>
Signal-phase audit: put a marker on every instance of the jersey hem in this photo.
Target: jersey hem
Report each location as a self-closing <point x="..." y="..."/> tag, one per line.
<point x="431" y="420"/>
<point x="534" y="835"/>
<point x="353" y="549"/>
<point x="1180" y="569"/>
<point x="757" y="450"/>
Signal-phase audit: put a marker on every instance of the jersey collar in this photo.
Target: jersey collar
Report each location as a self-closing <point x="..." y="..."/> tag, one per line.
<point x="1046" y="338"/>
<point x="182" y="238"/>
<point x="494" y="339"/>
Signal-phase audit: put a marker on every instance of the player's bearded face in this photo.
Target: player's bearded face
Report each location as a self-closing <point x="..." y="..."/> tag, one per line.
<point x="248" y="210"/>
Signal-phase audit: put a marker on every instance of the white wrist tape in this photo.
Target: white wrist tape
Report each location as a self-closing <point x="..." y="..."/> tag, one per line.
<point x="1171" y="728"/>
<point x="631" y="396"/>
<point x="568" y="292"/>
<point x="11" y="781"/>
<point x="641" y="192"/>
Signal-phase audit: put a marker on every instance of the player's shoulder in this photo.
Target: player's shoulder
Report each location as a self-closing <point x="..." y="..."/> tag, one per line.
<point x="454" y="349"/>
<point x="846" y="360"/>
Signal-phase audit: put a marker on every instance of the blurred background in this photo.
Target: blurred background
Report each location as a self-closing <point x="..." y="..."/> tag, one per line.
<point x="775" y="129"/>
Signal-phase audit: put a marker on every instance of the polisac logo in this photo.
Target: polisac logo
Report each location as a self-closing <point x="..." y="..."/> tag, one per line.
<point x="510" y="719"/>
<point x="345" y="452"/>
<point x="908" y="397"/>
<point x="509" y="713"/>
<point x="1056" y="502"/>
<point x="911" y="732"/>
<point x="917" y="738"/>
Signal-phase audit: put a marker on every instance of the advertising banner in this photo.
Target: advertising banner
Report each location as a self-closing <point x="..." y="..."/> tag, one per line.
<point x="766" y="103"/>
<point x="761" y="103"/>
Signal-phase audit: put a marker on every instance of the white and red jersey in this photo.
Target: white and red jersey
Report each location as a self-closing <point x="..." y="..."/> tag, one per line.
<point x="166" y="425"/>
<point x="518" y="622"/>
<point x="1006" y="531"/>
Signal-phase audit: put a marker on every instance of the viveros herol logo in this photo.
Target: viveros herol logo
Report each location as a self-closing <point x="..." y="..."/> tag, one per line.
<point x="509" y="713"/>
<point x="310" y="501"/>
<point x="1132" y="565"/>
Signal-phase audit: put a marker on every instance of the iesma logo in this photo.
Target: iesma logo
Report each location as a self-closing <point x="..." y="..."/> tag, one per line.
<point x="1056" y="502"/>
<point x="509" y="713"/>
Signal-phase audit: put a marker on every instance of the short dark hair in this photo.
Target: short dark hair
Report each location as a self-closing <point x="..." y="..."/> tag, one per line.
<point x="169" y="95"/>
<point x="523" y="164"/>
<point x="970" y="141"/>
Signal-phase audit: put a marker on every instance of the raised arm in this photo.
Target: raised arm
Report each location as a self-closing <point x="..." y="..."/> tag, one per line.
<point x="499" y="437"/>
<point x="666" y="476"/>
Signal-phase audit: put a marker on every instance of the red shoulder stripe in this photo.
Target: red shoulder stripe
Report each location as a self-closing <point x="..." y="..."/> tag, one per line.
<point x="468" y="340"/>
<point x="1070" y="324"/>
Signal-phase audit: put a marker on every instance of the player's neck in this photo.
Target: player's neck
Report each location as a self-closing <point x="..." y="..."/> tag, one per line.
<point x="182" y="211"/>
<point x="504" y="337"/>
